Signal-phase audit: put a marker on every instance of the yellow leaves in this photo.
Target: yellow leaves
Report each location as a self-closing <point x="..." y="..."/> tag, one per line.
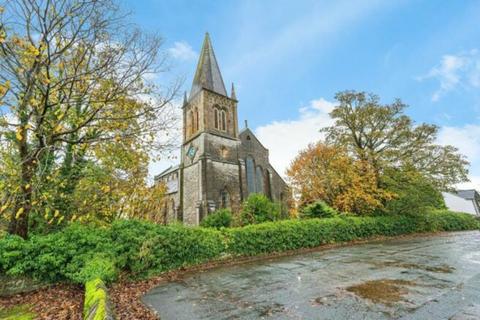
<point x="18" y="134"/>
<point x="27" y="186"/>
<point x="106" y="189"/>
<point x="56" y="214"/>
<point x="19" y="213"/>
<point x="59" y="114"/>
<point x="32" y="50"/>
<point x="58" y="128"/>
<point x="3" y="36"/>
<point x="4" y="207"/>
<point x="46" y="81"/>
<point x="4" y="88"/>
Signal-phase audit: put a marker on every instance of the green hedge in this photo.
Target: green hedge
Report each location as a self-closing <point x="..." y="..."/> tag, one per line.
<point x="295" y="234"/>
<point x="81" y="253"/>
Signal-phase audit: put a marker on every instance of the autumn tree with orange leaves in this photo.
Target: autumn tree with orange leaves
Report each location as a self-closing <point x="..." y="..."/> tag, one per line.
<point x="328" y="173"/>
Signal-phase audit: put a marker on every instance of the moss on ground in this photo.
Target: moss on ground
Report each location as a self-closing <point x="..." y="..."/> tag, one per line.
<point x="21" y="312"/>
<point x="95" y="300"/>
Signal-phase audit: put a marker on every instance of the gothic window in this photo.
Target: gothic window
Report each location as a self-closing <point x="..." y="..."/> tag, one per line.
<point x="173" y="208"/>
<point x="259" y="180"/>
<point x="165" y="211"/>
<point x="267" y="184"/>
<point x="196" y="119"/>
<point x="224" y="121"/>
<point x="220" y="118"/>
<point x="250" y="168"/>
<point x="224" y="199"/>
<point x="190" y="123"/>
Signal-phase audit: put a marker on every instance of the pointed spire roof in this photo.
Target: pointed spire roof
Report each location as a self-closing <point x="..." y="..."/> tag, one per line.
<point x="232" y="93"/>
<point x="208" y="74"/>
<point x="185" y="98"/>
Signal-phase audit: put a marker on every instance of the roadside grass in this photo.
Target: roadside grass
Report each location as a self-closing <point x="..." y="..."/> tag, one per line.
<point x="21" y="312"/>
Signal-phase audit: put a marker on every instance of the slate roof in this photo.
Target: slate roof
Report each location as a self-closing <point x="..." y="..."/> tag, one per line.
<point x="467" y="194"/>
<point x="208" y="74"/>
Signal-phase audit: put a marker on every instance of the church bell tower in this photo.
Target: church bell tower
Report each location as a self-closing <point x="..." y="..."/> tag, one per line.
<point x="209" y="156"/>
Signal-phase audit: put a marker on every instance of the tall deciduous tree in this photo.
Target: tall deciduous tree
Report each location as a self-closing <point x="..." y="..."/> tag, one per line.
<point x="73" y="76"/>
<point x="329" y="174"/>
<point x="385" y="137"/>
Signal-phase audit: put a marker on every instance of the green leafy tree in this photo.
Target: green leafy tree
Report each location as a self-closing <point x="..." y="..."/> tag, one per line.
<point x="414" y="193"/>
<point x="385" y="137"/>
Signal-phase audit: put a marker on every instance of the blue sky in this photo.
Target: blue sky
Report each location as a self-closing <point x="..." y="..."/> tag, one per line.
<point x="289" y="58"/>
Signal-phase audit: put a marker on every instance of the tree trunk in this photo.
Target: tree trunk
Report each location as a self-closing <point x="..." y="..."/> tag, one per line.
<point x="19" y="225"/>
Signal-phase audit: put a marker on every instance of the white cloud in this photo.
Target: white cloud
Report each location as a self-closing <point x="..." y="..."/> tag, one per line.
<point x="467" y="140"/>
<point x="462" y="69"/>
<point x="286" y="138"/>
<point x="181" y="50"/>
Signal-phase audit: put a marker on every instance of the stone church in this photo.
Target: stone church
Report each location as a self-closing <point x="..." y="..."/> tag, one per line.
<point x="220" y="164"/>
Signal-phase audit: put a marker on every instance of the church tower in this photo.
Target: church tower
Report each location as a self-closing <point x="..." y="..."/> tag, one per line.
<point x="210" y="166"/>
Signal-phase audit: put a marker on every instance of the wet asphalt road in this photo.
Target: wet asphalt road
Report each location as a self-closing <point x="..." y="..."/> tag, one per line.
<point x="436" y="277"/>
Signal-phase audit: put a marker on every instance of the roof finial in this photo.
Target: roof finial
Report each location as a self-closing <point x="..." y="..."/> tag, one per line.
<point x="232" y="94"/>
<point x="184" y="98"/>
<point x="246" y="124"/>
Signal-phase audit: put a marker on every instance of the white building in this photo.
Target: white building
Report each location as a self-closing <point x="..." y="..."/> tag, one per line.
<point x="467" y="201"/>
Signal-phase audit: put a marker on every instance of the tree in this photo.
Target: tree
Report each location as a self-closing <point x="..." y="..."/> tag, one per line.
<point x="323" y="172"/>
<point x="413" y="193"/>
<point x="74" y="77"/>
<point x="385" y="137"/>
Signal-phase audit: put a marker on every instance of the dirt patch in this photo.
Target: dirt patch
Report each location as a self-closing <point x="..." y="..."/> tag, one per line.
<point x="386" y="291"/>
<point x="60" y="302"/>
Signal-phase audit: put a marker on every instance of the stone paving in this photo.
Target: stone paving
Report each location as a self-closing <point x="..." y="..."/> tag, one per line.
<point x="436" y="277"/>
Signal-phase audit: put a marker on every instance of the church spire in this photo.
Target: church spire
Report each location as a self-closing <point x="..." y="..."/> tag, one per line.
<point x="208" y="74"/>
<point x="232" y="93"/>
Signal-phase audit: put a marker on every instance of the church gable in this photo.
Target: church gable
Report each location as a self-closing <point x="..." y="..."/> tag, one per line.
<point x="251" y="142"/>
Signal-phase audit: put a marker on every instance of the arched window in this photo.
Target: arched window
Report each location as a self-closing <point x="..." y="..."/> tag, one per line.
<point x="250" y="168"/>
<point x="259" y="180"/>
<point x="190" y="123"/>
<point x="215" y="111"/>
<point x="196" y="119"/>
<point x="267" y="184"/>
<point x="224" y="199"/>
<point x="165" y="212"/>
<point x="224" y="121"/>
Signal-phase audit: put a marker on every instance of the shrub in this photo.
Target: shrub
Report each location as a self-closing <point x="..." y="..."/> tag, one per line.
<point x="80" y="253"/>
<point x="318" y="209"/>
<point x="258" y="208"/>
<point x="98" y="267"/>
<point x="221" y="218"/>
<point x="144" y="248"/>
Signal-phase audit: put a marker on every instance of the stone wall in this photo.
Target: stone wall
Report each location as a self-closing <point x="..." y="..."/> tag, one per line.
<point x="191" y="193"/>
